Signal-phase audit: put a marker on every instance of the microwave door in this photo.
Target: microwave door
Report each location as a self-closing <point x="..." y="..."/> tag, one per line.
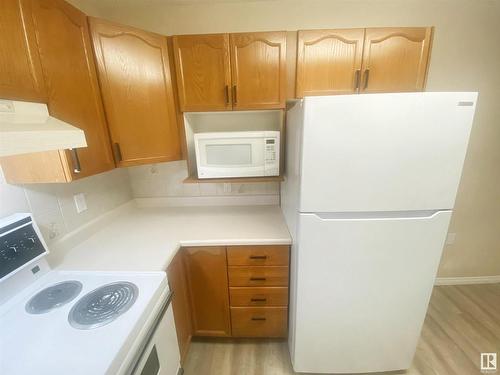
<point x="231" y="157"/>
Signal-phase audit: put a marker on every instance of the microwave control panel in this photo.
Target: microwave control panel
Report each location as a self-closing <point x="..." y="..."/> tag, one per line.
<point x="271" y="156"/>
<point x="270" y="150"/>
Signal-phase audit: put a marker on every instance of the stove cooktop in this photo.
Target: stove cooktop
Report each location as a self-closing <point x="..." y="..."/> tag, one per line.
<point x="65" y="317"/>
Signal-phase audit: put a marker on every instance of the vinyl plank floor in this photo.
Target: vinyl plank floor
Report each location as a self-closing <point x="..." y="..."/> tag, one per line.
<point x="461" y="322"/>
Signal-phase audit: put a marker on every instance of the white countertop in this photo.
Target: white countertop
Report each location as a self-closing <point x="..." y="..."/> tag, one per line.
<point x="146" y="239"/>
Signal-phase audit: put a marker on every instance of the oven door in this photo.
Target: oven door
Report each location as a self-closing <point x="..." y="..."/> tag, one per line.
<point x="161" y="354"/>
<point x="234" y="156"/>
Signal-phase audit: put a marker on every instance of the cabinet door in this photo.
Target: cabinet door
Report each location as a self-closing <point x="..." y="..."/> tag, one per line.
<point x="203" y="72"/>
<point x="20" y="71"/>
<point x="395" y="59"/>
<point x="258" y="70"/>
<point x="329" y="61"/>
<point x="206" y="270"/>
<point x="136" y="86"/>
<point x="180" y="303"/>
<point x="73" y="91"/>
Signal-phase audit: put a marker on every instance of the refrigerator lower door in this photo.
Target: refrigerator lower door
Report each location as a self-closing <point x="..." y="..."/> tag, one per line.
<point x="361" y="288"/>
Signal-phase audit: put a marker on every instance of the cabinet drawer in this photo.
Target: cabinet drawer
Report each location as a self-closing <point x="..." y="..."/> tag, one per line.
<point x="259" y="321"/>
<point x="258" y="276"/>
<point x="257" y="255"/>
<point x="260" y="296"/>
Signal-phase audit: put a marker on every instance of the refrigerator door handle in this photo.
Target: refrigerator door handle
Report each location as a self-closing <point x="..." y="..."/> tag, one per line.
<point x="376" y="215"/>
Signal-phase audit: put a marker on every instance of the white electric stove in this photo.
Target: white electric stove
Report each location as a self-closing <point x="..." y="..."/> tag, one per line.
<point x="69" y="322"/>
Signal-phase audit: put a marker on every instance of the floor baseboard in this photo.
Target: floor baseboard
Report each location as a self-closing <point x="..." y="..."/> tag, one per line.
<point x="467" y="280"/>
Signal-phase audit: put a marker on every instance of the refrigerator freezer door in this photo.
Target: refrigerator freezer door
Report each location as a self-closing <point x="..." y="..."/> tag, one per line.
<point x="362" y="290"/>
<point x="384" y="152"/>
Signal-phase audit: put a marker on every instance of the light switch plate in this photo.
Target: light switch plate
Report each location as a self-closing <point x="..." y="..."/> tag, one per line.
<point x="80" y="202"/>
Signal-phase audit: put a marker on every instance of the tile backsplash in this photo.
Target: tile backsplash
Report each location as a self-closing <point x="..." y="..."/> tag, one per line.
<point x="53" y="206"/>
<point x="165" y="180"/>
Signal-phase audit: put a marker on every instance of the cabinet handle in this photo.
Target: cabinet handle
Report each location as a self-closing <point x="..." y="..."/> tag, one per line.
<point x="356" y="79"/>
<point x="226" y="94"/>
<point x="77" y="168"/>
<point x="258" y="257"/>
<point x="257" y="318"/>
<point x="367" y="77"/>
<point x="257" y="279"/>
<point x="258" y="300"/>
<point x="234" y="95"/>
<point x="118" y="151"/>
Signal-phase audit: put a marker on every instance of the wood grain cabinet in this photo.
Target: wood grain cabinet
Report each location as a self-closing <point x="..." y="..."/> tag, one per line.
<point x="258" y="288"/>
<point x="231" y="71"/>
<point x="203" y="71"/>
<point x="66" y="56"/>
<point x="236" y="291"/>
<point x="21" y="75"/>
<point x="206" y="270"/>
<point x="181" y="304"/>
<point x="329" y="61"/>
<point x="395" y="59"/>
<point x="136" y="86"/>
<point x="362" y="60"/>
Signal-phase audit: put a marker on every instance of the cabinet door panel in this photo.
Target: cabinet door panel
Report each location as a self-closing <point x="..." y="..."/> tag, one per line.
<point x="329" y="61"/>
<point x="206" y="270"/>
<point x="395" y="59"/>
<point x="258" y="70"/>
<point x="203" y="71"/>
<point x="73" y="92"/>
<point x="20" y="71"/>
<point x="180" y="303"/>
<point x="135" y="80"/>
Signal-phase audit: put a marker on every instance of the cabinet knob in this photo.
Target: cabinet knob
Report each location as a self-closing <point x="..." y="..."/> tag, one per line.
<point x="258" y="318"/>
<point x="226" y="94"/>
<point x="257" y="279"/>
<point x="258" y="300"/>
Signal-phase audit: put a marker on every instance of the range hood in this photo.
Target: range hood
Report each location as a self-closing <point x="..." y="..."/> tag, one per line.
<point x="27" y="127"/>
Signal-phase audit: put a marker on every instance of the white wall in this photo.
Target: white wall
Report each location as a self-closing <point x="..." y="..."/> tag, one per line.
<point x="52" y="204"/>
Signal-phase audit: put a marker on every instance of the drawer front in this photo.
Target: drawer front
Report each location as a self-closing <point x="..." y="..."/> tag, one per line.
<point x="260" y="296"/>
<point x="258" y="276"/>
<point x="257" y="255"/>
<point x="259" y="321"/>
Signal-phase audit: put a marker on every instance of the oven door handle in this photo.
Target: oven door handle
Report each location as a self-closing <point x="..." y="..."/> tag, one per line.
<point x="142" y="348"/>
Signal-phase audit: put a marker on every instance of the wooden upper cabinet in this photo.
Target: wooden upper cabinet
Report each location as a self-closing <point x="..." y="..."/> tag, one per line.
<point x="258" y="70"/>
<point x="20" y="70"/>
<point x="136" y="86"/>
<point x="203" y="71"/>
<point x="395" y="59"/>
<point x="63" y="38"/>
<point x="206" y="272"/>
<point x="328" y="61"/>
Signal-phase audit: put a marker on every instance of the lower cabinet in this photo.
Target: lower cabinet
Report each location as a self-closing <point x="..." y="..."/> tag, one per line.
<point x="237" y="291"/>
<point x="206" y="271"/>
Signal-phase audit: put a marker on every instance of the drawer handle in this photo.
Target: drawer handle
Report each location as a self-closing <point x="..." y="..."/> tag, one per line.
<point x="258" y="256"/>
<point x="258" y="299"/>
<point x="257" y="318"/>
<point x="257" y="279"/>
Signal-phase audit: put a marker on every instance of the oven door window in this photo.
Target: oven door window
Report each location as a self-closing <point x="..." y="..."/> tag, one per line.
<point x="152" y="365"/>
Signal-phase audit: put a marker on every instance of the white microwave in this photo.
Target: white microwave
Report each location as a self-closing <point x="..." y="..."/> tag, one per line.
<point x="237" y="154"/>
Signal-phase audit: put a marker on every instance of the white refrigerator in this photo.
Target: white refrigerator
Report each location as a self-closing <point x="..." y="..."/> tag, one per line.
<point x="370" y="184"/>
